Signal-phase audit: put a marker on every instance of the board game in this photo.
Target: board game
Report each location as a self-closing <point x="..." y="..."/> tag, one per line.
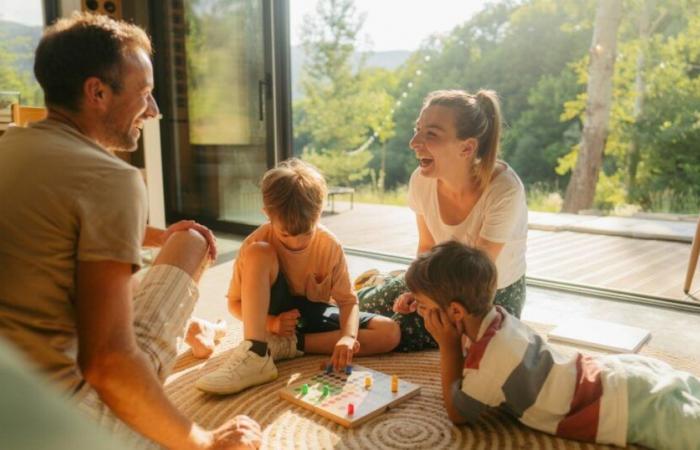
<point x="351" y="397"/>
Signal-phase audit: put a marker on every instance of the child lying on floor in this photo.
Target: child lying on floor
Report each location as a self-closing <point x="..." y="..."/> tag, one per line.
<point x="617" y="399"/>
<point x="288" y="273"/>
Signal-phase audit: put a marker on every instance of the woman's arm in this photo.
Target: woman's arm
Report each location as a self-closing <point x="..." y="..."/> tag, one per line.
<point x="425" y="239"/>
<point x="493" y="249"/>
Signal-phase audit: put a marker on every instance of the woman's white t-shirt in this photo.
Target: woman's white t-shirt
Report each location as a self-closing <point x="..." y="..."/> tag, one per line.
<point x="500" y="216"/>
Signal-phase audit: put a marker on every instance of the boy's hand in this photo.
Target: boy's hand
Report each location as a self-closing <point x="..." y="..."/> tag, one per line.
<point x="344" y="349"/>
<point x="405" y="303"/>
<point x="284" y="324"/>
<point x="443" y="330"/>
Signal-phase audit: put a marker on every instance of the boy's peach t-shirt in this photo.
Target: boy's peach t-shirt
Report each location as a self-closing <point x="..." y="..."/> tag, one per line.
<point x="319" y="272"/>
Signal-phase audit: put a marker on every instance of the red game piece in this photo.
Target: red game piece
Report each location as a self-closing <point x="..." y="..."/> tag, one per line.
<point x="351" y="409"/>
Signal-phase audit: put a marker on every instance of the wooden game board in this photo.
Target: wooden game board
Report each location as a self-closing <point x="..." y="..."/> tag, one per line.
<point x="345" y="389"/>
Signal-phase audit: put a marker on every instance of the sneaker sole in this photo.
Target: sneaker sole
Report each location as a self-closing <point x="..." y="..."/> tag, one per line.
<point x="223" y="390"/>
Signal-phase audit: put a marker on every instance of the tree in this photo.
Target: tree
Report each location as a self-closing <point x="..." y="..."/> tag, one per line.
<point x="345" y="109"/>
<point x="581" y="189"/>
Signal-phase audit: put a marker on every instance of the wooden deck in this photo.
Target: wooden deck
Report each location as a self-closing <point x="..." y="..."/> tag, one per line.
<point x="641" y="266"/>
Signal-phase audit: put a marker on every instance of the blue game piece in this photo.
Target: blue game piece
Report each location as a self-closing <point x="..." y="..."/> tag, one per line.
<point x="329" y="368"/>
<point x="348" y="370"/>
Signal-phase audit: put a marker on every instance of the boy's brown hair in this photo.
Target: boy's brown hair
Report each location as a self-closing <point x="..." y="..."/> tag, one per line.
<point x="453" y="272"/>
<point x="83" y="46"/>
<point x="293" y="193"/>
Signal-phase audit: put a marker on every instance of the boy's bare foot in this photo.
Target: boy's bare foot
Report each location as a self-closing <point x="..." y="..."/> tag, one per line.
<point x="202" y="336"/>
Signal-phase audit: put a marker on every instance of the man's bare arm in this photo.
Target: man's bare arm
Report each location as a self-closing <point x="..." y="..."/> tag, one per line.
<point x="114" y="365"/>
<point x="154" y="237"/>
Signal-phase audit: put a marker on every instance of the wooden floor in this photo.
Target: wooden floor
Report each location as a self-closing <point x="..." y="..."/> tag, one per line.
<point x="642" y="266"/>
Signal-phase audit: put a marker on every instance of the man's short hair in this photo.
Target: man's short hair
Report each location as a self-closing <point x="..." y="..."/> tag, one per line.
<point x="453" y="272"/>
<point x="83" y="46"/>
<point x="294" y="193"/>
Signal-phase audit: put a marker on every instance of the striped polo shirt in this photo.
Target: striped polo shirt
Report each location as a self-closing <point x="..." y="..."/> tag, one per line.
<point x="565" y="394"/>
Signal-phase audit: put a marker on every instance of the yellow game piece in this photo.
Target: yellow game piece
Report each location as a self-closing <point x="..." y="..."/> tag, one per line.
<point x="394" y="383"/>
<point x="368" y="382"/>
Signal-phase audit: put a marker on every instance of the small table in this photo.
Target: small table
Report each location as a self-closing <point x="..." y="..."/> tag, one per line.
<point x="337" y="190"/>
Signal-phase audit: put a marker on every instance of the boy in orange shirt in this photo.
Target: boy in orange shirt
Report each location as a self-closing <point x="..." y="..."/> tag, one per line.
<point x="288" y="274"/>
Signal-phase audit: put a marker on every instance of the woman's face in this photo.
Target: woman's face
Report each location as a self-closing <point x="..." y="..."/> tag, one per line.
<point x="436" y="144"/>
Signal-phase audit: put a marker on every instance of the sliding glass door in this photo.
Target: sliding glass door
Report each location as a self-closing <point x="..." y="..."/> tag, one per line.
<point x="222" y="87"/>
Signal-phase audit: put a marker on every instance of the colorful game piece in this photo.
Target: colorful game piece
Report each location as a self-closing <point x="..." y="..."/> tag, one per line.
<point x="329" y="368"/>
<point x="348" y="370"/>
<point x="345" y="398"/>
<point x="304" y="389"/>
<point x="394" y="383"/>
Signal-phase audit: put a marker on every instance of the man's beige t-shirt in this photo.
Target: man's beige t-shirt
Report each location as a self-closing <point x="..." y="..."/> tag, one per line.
<point x="319" y="272"/>
<point x="63" y="198"/>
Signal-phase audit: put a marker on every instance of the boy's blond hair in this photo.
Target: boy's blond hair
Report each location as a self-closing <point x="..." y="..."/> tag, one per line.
<point x="294" y="193"/>
<point x="453" y="272"/>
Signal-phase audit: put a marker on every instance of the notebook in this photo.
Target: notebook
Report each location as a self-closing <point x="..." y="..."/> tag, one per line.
<point x="601" y="334"/>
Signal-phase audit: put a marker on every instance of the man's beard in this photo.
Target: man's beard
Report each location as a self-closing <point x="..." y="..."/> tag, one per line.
<point x="118" y="140"/>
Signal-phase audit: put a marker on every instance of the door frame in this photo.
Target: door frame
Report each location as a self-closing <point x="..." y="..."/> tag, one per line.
<point x="277" y="68"/>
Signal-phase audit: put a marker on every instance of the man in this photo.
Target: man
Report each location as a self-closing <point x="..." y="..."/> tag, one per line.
<point x="72" y="224"/>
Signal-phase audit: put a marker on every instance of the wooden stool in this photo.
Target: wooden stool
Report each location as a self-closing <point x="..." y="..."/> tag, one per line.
<point x="693" y="261"/>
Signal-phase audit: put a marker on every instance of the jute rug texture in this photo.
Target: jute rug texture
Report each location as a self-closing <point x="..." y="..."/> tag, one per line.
<point x="418" y="423"/>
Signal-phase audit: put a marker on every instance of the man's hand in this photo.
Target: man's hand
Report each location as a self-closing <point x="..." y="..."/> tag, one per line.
<point x="241" y="432"/>
<point x="344" y="349"/>
<point x="192" y="225"/>
<point x="284" y="324"/>
<point x="443" y="330"/>
<point x="405" y="303"/>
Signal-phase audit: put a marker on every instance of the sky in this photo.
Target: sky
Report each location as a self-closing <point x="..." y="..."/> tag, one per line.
<point x="397" y="24"/>
<point x="27" y="12"/>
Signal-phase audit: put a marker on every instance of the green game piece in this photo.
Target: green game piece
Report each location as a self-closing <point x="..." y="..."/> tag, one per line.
<point x="304" y="389"/>
<point x="326" y="390"/>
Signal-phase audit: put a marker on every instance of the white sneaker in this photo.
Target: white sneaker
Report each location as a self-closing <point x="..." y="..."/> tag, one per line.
<point x="242" y="370"/>
<point x="282" y="347"/>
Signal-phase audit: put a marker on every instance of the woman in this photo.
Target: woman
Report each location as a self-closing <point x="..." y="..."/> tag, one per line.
<point x="460" y="191"/>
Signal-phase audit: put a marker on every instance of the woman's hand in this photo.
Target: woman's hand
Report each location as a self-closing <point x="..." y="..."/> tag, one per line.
<point x="405" y="304"/>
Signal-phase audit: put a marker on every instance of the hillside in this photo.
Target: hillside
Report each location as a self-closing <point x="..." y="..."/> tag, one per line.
<point x="387" y="60"/>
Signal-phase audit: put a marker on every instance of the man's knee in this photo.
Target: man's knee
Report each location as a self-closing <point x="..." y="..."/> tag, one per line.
<point x="185" y="249"/>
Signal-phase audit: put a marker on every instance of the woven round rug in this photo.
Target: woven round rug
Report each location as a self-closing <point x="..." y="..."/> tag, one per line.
<point x="418" y="423"/>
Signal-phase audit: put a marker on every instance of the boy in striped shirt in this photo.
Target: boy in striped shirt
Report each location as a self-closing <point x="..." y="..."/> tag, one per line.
<point x="616" y="399"/>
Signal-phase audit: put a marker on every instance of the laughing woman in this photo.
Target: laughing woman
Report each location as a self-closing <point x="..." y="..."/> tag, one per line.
<point x="461" y="191"/>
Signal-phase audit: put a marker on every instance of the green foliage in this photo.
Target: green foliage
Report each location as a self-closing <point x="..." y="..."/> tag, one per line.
<point x="340" y="168"/>
<point x="543" y="198"/>
<point x="341" y="109"/>
<point x="396" y="197"/>
<point x="223" y="72"/>
<point x="534" y="54"/>
<point x="17" y="44"/>
<point x="661" y="142"/>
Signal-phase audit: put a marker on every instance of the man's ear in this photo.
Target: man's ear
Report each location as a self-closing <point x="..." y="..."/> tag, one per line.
<point x="95" y="92"/>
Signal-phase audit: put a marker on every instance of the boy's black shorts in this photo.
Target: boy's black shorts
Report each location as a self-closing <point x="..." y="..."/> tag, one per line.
<point x="315" y="317"/>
